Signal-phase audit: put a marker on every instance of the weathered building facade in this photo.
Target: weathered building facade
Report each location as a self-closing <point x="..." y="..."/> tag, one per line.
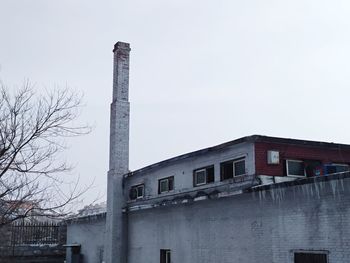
<point x="274" y="223"/>
<point x="85" y="238"/>
<point x="254" y="199"/>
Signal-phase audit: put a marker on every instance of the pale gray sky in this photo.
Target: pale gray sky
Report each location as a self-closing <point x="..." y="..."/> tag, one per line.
<point x="202" y="72"/>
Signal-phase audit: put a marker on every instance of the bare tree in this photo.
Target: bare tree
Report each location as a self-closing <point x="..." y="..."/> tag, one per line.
<point x="33" y="128"/>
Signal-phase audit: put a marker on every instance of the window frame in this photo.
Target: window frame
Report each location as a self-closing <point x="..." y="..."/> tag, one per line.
<point x="308" y="252"/>
<point x="195" y="177"/>
<point x="205" y="169"/>
<point x="136" y="187"/>
<point x="294" y="175"/>
<point x="165" y="256"/>
<point x="343" y="165"/>
<point x="233" y="162"/>
<point x="166" y="179"/>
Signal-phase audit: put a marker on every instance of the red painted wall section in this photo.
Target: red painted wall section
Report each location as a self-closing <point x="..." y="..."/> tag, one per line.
<point x="296" y="152"/>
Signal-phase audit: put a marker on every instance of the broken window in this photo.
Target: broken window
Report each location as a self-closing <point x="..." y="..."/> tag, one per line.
<point x="310" y="257"/>
<point x="165" y="256"/>
<point x="232" y="168"/>
<point x="203" y="176"/>
<point x="136" y="192"/>
<point x="166" y="185"/>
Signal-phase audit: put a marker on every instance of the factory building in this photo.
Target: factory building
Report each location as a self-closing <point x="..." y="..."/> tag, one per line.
<point x="253" y="199"/>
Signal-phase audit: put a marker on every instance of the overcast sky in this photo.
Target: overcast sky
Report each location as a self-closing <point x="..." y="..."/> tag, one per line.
<point x="202" y="72"/>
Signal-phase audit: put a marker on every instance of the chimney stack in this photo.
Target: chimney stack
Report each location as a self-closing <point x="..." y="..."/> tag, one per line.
<point x="116" y="236"/>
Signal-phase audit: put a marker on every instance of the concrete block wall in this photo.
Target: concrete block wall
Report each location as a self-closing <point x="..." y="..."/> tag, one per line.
<point x="263" y="227"/>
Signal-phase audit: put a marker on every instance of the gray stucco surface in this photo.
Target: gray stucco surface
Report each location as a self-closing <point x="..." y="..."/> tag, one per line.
<point x="90" y="234"/>
<point x="264" y="226"/>
<point x="183" y="171"/>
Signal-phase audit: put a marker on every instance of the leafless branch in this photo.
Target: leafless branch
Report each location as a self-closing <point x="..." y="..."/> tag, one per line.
<point x="32" y="132"/>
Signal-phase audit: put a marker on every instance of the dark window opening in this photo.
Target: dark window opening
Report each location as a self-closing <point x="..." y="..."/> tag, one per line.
<point x="302" y="257"/>
<point x="335" y="168"/>
<point x="136" y="192"/>
<point x="166" y="185"/>
<point x="239" y="168"/>
<point x="307" y="168"/>
<point x="232" y="168"/>
<point x="295" y="168"/>
<point x="313" y="168"/>
<point x="203" y="176"/>
<point x="165" y="256"/>
<point x="226" y="170"/>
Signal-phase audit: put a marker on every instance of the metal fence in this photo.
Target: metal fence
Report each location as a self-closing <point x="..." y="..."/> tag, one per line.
<point x="38" y="233"/>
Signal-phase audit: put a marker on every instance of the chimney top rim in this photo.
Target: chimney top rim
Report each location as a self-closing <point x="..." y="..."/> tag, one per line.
<point x="121" y="46"/>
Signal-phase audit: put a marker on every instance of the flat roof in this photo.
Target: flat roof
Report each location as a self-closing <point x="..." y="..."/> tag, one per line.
<point x="86" y="218"/>
<point x="249" y="139"/>
<point x="72" y="245"/>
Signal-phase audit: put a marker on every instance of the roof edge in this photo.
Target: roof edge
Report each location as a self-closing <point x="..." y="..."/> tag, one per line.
<point x="250" y="139"/>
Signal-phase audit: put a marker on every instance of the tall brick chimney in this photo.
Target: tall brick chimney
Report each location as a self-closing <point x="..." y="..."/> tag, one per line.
<point x="116" y="235"/>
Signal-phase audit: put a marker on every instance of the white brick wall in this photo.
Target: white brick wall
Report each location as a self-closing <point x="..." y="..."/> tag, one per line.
<point x="246" y="229"/>
<point x="119" y="156"/>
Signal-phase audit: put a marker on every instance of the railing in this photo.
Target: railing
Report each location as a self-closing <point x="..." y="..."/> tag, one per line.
<point x="38" y="233"/>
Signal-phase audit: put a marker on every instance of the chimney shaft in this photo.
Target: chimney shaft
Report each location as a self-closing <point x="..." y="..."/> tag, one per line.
<point x="116" y="239"/>
<point x="121" y="71"/>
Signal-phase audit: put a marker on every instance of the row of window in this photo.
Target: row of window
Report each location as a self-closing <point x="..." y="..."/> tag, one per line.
<point x="202" y="176"/>
<point x="236" y="168"/>
<point x="310" y="168"/>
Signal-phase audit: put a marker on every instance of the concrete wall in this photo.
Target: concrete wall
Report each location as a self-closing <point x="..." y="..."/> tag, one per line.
<point x="183" y="170"/>
<point x="90" y="234"/>
<point x="32" y="253"/>
<point x="263" y="226"/>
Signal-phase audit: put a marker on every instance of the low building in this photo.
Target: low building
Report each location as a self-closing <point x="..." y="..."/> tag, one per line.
<point x="255" y="199"/>
<point x="233" y="166"/>
<point x="85" y="238"/>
